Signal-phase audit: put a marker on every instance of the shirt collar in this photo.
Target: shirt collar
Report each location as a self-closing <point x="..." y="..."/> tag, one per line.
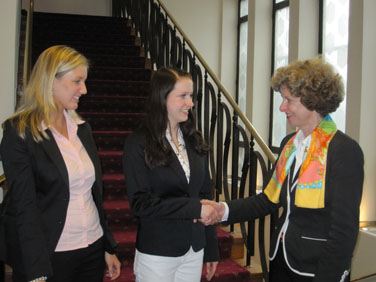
<point x="180" y="137"/>
<point x="301" y="140"/>
<point x="72" y="124"/>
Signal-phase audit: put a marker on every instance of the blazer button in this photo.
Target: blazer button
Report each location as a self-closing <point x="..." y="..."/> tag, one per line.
<point x="186" y="195"/>
<point x="60" y="222"/>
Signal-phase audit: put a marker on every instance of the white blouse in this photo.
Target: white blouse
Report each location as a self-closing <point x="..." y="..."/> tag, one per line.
<point x="180" y="151"/>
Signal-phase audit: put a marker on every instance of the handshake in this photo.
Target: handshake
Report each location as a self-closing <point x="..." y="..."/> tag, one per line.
<point x="211" y="212"/>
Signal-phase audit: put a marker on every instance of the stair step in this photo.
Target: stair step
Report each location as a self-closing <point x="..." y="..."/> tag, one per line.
<point x="111" y="161"/>
<point x="53" y="17"/>
<point x="126" y="244"/>
<point x="124" y="104"/>
<point x="113" y="177"/>
<point x="229" y="270"/>
<point x="82" y="23"/>
<point x="67" y="37"/>
<point x="120" y="217"/>
<point x="110" y="140"/>
<point x="101" y="48"/>
<point x="100" y="60"/>
<point x="116" y="61"/>
<point x="118" y="73"/>
<point x="114" y="187"/>
<point x="115" y="121"/>
<point x="109" y="87"/>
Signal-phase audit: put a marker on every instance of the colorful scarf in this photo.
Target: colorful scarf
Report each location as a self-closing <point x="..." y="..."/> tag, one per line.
<point x="310" y="188"/>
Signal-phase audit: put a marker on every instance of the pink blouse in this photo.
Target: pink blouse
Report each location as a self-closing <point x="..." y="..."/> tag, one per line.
<point x="82" y="225"/>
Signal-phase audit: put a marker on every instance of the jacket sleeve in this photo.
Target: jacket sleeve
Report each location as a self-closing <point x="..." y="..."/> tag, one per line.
<point x="255" y="206"/>
<point x="345" y="176"/>
<point x="143" y="202"/>
<point x="16" y="158"/>
<point x="250" y="208"/>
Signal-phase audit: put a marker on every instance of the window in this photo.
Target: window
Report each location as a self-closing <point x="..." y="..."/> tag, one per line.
<point x="280" y="54"/>
<point x="241" y="95"/>
<point x="334" y="44"/>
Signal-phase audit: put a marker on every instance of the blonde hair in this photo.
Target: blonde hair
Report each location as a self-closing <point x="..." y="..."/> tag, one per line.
<point x="37" y="103"/>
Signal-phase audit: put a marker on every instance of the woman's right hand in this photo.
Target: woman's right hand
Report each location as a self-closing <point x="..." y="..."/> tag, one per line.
<point x="211" y="212"/>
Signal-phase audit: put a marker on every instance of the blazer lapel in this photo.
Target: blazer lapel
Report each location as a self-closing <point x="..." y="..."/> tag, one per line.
<point x="52" y="149"/>
<point x="176" y="166"/>
<point x="193" y="163"/>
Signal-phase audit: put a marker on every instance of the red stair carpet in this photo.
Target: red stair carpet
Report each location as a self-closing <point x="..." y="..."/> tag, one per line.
<point x="118" y="83"/>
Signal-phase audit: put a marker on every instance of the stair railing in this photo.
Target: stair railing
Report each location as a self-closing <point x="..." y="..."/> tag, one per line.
<point x="2" y="181"/>
<point x="217" y="113"/>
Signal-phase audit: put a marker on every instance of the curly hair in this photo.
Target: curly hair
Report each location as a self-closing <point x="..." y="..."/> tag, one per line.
<point x="314" y="81"/>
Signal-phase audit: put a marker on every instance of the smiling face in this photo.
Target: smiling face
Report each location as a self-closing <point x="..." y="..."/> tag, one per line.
<point x="297" y="114"/>
<point x="68" y="88"/>
<point x="179" y="101"/>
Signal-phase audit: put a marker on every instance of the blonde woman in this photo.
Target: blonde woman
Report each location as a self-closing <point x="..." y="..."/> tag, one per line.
<point x="54" y="223"/>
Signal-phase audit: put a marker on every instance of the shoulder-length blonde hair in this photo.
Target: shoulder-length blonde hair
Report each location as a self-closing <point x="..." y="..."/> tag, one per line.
<point x="37" y="103"/>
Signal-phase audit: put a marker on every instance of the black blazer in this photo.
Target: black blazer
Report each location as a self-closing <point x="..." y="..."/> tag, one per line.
<point x="166" y="203"/>
<point x="317" y="242"/>
<point x="38" y="199"/>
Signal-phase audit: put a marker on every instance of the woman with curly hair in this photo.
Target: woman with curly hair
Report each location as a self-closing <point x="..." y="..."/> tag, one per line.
<point x="317" y="181"/>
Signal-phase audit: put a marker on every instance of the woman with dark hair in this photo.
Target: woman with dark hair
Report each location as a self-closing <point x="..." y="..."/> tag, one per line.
<point x="54" y="222"/>
<point x="166" y="171"/>
<point x="317" y="180"/>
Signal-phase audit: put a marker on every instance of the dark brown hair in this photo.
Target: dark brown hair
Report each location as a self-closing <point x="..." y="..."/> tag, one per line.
<point x="157" y="149"/>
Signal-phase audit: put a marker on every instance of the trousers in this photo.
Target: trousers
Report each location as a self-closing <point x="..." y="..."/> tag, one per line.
<point x="151" y="268"/>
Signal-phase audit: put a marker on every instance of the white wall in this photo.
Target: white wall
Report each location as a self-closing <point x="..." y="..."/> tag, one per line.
<point x="9" y="27"/>
<point x="200" y="21"/>
<point x="80" y="7"/>
<point x="361" y="98"/>
<point x="259" y="65"/>
<point x="304" y="25"/>
<point x="228" y="39"/>
<point x="367" y="111"/>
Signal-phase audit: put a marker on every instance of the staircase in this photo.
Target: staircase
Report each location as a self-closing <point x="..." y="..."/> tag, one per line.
<point x="118" y="83"/>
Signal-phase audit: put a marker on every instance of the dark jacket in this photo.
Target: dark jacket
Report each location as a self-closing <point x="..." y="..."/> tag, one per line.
<point x="317" y="242"/>
<point x="38" y="199"/>
<point x="166" y="203"/>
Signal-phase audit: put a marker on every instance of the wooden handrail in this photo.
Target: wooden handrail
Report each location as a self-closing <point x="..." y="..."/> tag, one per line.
<point x="2" y="179"/>
<point x="28" y="40"/>
<point x="229" y="98"/>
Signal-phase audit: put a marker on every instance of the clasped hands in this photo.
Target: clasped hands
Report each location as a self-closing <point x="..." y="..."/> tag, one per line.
<point x="211" y="212"/>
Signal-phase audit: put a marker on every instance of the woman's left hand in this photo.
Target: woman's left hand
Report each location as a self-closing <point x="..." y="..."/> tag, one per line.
<point x="113" y="265"/>
<point x="210" y="269"/>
